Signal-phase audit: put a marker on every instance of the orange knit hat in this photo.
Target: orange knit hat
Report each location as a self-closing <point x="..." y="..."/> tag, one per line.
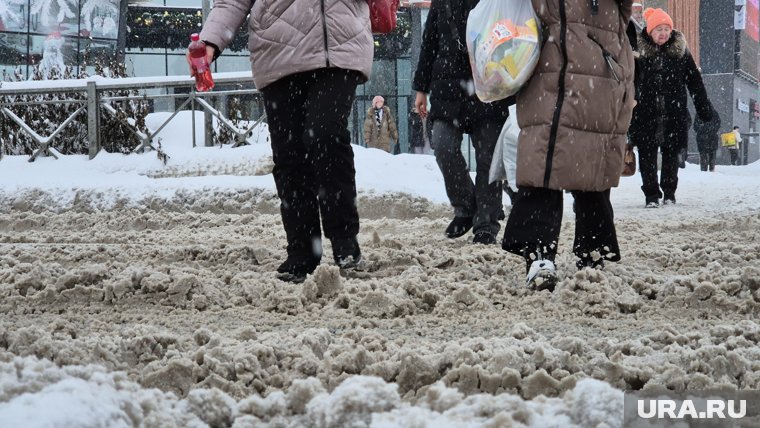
<point x="655" y="17"/>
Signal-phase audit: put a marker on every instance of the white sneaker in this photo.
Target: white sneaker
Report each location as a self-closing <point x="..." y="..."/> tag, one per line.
<point x="542" y="275"/>
<point x="652" y="205"/>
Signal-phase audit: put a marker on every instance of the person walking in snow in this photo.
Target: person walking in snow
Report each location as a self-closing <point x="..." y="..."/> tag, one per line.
<point x="444" y="73"/>
<point x="731" y="141"/>
<point x="573" y="115"/>
<point x="380" y="127"/>
<point x="308" y="79"/>
<point x="707" y="140"/>
<point x="661" y="119"/>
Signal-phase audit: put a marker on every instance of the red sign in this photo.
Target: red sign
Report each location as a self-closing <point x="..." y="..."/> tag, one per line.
<point x="753" y="16"/>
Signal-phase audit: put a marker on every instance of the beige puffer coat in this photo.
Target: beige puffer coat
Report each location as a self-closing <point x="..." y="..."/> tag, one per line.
<point x="575" y="111"/>
<point x="380" y="138"/>
<point x="292" y="36"/>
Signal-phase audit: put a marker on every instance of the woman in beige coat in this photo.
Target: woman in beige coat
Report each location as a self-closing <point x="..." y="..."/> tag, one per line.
<point x="379" y="126"/>
<point x="574" y="114"/>
<point x="307" y="57"/>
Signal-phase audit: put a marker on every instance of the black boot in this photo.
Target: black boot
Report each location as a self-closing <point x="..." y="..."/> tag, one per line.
<point x="296" y="267"/>
<point x="346" y="253"/>
<point x="458" y="227"/>
<point x="485" y="238"/>
<point x="585" y="262"/>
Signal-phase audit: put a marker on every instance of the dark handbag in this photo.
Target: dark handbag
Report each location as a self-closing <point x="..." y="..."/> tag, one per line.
<point x="629" y="162"/>
<point x="382" y="15"/>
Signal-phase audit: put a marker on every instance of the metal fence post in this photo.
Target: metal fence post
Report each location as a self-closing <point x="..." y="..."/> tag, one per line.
<point x="192" y="116"/>
<point x="208" y="127"/>
<point x="93" y="119"/>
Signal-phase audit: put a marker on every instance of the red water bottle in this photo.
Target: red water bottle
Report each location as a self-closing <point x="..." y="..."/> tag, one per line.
<point x="201" y="69"/>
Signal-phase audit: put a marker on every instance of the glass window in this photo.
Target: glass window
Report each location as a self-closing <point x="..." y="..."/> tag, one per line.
<point x="175" y="3"/>
<point x="149" y="62"/>
<point x="15" y="17"/>
<point x="177" y="64"/>
<point x="227" y="63"/>
<point x="12" y="48"/>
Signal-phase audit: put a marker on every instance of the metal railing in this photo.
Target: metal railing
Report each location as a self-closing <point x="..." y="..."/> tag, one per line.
<point x="93" y="102"/>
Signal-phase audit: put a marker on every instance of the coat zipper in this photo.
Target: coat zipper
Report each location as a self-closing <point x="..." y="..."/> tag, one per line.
<point x="324" y="33"/>
<point x="560" y="94"/>
<point x="607" y="58"/>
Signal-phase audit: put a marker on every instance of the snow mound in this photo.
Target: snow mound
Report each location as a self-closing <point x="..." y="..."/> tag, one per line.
<point x="37" y="393"/>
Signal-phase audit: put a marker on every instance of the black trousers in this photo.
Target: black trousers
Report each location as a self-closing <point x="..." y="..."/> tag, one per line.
<point x="479" y="200"/>
<point x="707" y="160"/>
<point x="314" y="172"/>
<point x="536" y="218"/>
<point x="668" y="174"/>
<point x="734" y="156"/>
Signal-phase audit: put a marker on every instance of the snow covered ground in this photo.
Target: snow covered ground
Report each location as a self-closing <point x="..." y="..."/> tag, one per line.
<point x="138" y="294"/>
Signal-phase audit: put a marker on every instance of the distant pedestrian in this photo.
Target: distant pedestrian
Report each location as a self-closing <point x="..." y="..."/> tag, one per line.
<point x="665" y="71"/>
<point x="573" y="115"/>
<point x="732" y="142"/>
<point x="707" y="140"/>
<point x="380" y="131"/>
<point x="637" y="13"/>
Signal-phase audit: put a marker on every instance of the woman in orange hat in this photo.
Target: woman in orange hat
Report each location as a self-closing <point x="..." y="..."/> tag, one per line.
<point x="661" y="119"/>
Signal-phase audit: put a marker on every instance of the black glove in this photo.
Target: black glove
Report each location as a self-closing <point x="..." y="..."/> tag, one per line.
<point x="705" y="116"/>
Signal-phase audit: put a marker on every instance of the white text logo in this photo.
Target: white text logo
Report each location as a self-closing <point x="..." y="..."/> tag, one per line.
<point x="708" y="409"/>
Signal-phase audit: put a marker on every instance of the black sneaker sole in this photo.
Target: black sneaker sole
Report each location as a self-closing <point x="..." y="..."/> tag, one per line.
<point x="547" y="282"/>
<point x="289" y="277"/>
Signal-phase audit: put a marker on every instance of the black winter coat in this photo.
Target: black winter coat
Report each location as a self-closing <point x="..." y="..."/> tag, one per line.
<point x="444" y="72"/>
<point x="664" y="73"/>
<point x="707" y="133"/>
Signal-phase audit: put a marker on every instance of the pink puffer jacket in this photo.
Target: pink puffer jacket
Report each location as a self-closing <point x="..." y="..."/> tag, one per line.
<point x="292" y="36"/>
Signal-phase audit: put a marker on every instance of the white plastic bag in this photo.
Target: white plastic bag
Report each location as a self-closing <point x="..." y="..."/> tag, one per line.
<point x="504" y="160"/>
<point x="504" y="43"/>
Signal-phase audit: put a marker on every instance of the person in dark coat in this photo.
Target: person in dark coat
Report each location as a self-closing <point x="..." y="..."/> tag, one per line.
<point x="707" y="140"/>
<point x="661" y="120"/>
<point x="444" y="74"/>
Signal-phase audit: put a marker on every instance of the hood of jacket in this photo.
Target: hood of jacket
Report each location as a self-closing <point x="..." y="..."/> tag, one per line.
<point x="675" y="47"/>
